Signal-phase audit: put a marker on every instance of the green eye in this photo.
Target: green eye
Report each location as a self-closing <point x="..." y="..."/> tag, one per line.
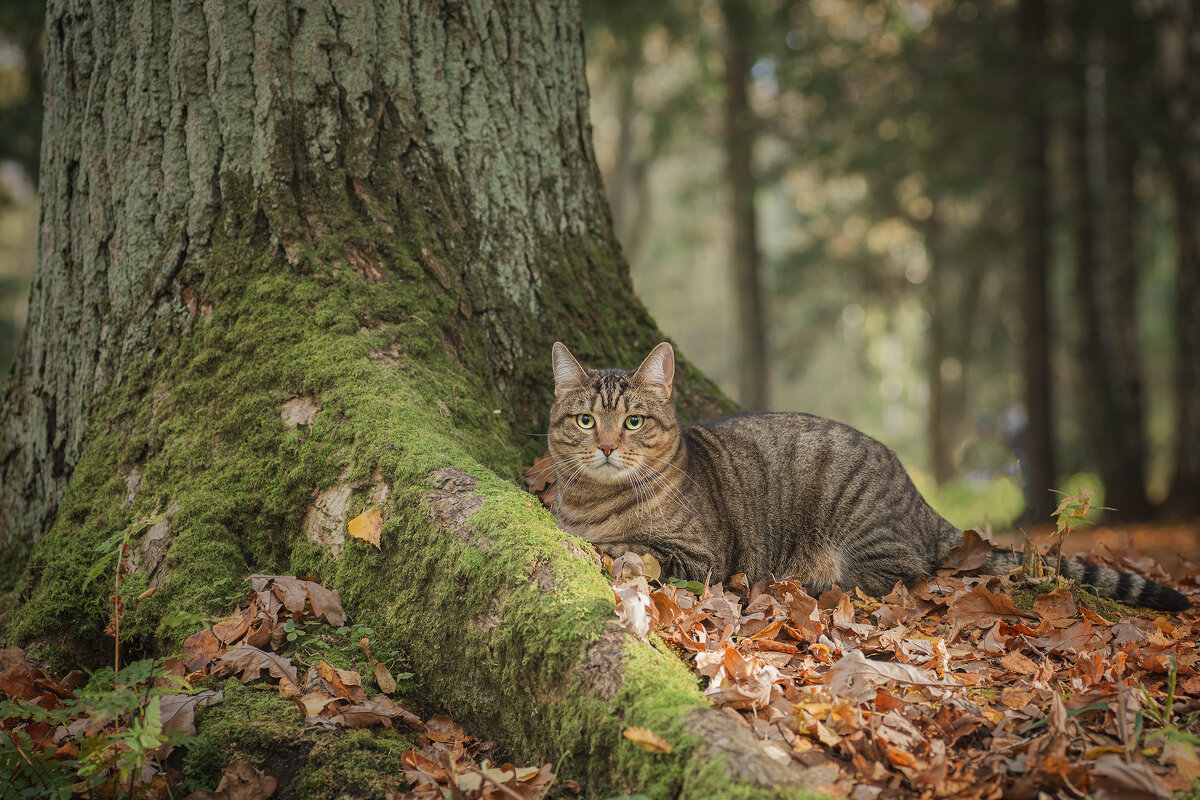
<point x="586" y="421"/>
<point x="634" y="421"/>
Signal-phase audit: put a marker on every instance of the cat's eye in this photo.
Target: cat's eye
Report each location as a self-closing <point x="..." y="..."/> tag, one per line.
<point x="634" y="421"/>
<point x="586" y="421"/>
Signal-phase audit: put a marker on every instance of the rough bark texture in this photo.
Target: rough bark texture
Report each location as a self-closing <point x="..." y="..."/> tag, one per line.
<point x="739" y="168"/>
<point x="1179" y="44"/>
<point x="302" y="259"/>
<point x="1039" y="447"/>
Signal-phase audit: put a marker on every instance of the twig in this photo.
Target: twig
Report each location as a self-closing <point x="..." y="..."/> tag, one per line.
<point x="456" y="791"/>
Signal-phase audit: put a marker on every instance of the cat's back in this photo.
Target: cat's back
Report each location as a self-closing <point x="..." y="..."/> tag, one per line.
<point x="809" y="467"/>
<point x="786" y="436"/>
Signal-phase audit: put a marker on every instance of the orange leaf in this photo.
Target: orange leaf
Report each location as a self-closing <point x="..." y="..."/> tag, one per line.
<point x="647" y="739"/>
<point x="367" y="526"/>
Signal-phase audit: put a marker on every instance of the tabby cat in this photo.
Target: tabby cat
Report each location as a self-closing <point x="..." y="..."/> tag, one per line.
<point x="772" y="494"/>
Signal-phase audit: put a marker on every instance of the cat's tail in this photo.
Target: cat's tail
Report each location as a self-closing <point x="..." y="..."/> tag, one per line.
<point x="1124" y="587"/>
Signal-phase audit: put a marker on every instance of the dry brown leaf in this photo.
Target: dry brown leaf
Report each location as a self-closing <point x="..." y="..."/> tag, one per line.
<point x="380" y="711"/>
<point x="979" y="606"/>
<point x="242" y="781"/>
<point x="1117" y="779"/>
<point x="344" y="683"/>
<point x="1183" y="756"/>
<point x="540" y="474"/>
<point x="252" y="662"/>
<point x="201" y="649"/>
<point x="647" y="739"/>
<point x="1015" y="662"/>
<point x="971" y="553"/>
<point x="292" y="593"/>
<point x="367" y="526"/>
<point x="16" y="676"/>
<point x="383" y="677"/>
<point x="311" y="704"/>
<point x="179" y="710"/>
<point x="1058" y="605"/>
<point x="233" y="628"/>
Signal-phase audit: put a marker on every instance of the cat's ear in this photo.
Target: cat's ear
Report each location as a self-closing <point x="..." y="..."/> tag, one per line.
<point x="658" y="370"/>
<point x="567" y="372"/>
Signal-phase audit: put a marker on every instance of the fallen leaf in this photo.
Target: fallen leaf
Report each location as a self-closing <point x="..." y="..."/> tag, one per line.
<point x="251" y="662"/>
<point x="16" y="676"/>
<point x="367" y="526"/>
<point x="540" y="474"/>
<point x="1116" y="779"/>
<point x="1058" y="605"/>
<point x="647" y="739"/>
<point x="242" y="781"/>
<point x="633" y="611"/>
<point x="971" y="553"/>
<point x="1183" y="756"/>
<point x="179" y="710"/>
<point x="383" y="677"/>
<point x="380" y="711"/>
<point x="293" y="591"/>
<point x="344" y="683"/>
<point x="201" y="649"/>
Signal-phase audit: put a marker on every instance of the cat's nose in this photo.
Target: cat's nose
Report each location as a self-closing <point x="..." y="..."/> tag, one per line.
<point x="607" y="448"/>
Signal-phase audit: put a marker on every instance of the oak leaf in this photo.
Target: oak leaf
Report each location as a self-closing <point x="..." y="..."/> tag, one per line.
<point x="252" y="662"/>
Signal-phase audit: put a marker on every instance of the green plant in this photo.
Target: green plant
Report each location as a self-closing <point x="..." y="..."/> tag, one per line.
<point x="1072" y="512"/>
<point x="113" y="728"/>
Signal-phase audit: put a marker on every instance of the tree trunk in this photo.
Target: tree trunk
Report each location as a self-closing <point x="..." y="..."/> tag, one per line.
<point x="739" y="151"/>
<point x="1179" y="48"/>
<point x="293" y="262"/>
<point x="1039" y="446"/>
<point x="1105" y="232"/>
<point x="941" y="419"/>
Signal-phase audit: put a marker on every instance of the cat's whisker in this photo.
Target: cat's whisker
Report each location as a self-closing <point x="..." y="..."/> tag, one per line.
<point x="672" y="492"/>
<point x="672" y="466"/>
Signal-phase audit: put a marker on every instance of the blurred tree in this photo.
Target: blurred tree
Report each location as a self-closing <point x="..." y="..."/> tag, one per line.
<point x="1035" y="231"/>
<point x="1106" y="135"/>
<point x="740" y="131"/>
<point x="1178" y="25"/>
<point x="21" y="46"/>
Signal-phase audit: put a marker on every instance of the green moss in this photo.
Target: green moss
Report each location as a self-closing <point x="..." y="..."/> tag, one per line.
<point x="254" y="723"/>
<point x="1113" y="611"/>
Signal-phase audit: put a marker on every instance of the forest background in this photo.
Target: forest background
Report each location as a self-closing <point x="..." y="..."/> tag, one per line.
<point x="949" y="223"/>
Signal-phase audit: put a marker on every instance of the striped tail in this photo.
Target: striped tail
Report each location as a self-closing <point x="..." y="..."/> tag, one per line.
<point x="1124" y="587"/>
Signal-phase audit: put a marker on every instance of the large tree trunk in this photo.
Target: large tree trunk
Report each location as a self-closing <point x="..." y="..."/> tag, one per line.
<point x="1039" y="446"/>
<point x="1179" y="46"/>
<point x="294" y="260"/>
<point x="739" y="169"/>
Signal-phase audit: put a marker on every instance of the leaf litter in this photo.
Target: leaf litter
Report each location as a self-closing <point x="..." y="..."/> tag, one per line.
<point x="948" y="689"/>
<point x="964" y="685"/>
<point x="446" y="761"/>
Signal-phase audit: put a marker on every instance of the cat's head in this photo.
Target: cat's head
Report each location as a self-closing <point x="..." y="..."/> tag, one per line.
<point x="613" y="426"/>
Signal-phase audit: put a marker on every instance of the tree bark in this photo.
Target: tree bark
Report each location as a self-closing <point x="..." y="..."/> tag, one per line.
<point x="744" y="258"/>
<point x="1039" y="446"/>
<point x="299" y="261"/>
<point x="1179" y="49"/>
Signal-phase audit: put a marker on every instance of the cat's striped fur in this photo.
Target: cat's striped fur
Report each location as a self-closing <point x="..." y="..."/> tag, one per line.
<point x="772" y="494"/>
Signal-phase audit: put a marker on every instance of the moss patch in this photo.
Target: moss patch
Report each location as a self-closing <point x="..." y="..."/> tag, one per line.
<point x="254" y="723"/>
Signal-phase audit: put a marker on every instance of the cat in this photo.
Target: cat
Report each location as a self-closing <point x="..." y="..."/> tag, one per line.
<point x="771" y="495"/>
